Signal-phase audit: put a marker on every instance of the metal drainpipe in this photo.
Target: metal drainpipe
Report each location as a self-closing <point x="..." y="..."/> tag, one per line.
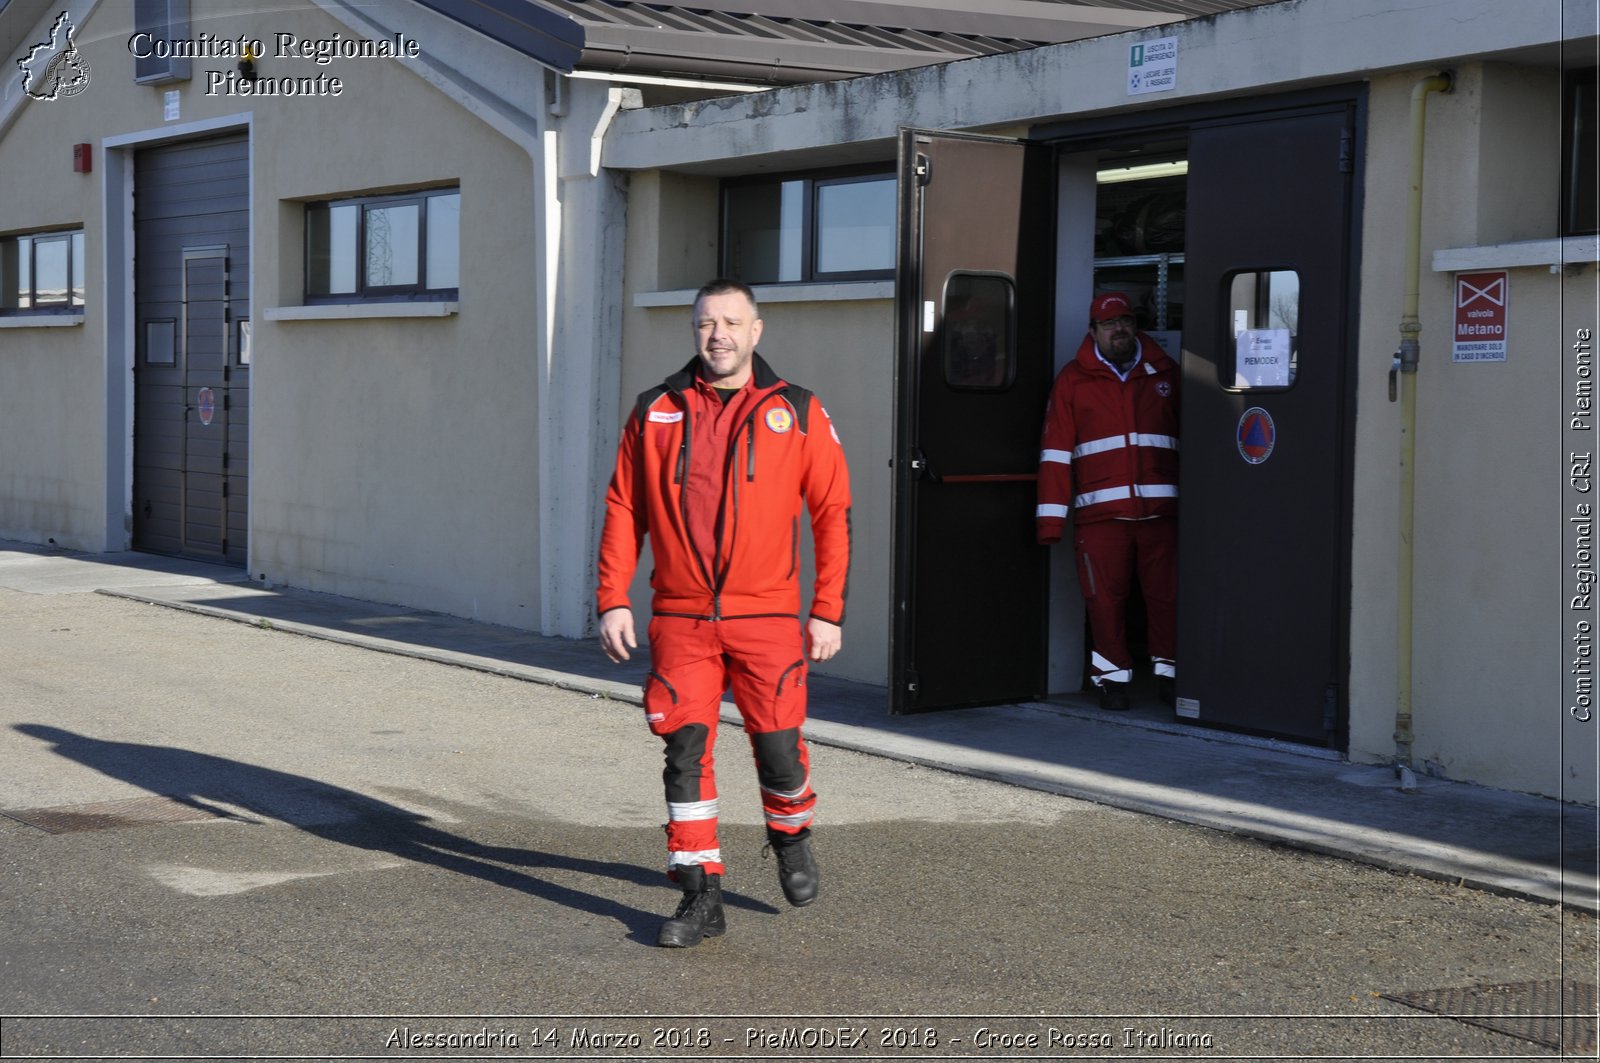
<point x="1405" y="365"/>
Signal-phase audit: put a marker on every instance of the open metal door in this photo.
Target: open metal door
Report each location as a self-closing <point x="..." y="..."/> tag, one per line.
<point x="974" y="358"/>
<point x="1264" y="526"/>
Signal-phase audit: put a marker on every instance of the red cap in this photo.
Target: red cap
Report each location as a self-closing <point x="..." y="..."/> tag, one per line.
<point x="1110" y="305"/>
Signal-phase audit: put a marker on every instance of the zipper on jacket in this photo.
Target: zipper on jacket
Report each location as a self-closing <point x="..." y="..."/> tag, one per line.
<point x="794" y="545"/>
<point x="750" y="449"/>
<point x="712" y="583"/>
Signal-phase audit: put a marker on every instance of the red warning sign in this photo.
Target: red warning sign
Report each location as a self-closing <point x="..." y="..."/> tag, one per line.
<point x="1480" y="321"/>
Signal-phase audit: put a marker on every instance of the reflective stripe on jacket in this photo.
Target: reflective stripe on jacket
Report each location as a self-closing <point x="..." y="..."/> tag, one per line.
<point x="1110" y="446"/>
<point x="785" y="457"/>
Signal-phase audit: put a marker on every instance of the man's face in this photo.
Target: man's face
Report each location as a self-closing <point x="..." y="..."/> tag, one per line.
<point x="1114" y="337"/>
<point x="726" y="332"/>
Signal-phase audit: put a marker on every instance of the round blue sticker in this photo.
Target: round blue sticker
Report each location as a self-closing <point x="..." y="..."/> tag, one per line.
<point x="1257" y="435"/>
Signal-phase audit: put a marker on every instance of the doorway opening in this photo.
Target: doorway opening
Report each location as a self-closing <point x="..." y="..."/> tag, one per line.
<point x="1123" y="229"/>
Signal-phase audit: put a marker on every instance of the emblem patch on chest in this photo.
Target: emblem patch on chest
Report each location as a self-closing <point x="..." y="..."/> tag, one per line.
<point x="780" y="420"/>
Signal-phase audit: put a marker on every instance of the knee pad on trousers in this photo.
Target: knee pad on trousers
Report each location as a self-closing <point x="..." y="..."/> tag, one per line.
<point x="778" y="765"/>
<point x="686" y="749"/>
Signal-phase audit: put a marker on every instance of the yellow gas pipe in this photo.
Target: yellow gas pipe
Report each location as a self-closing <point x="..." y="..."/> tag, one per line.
<point x="1405" y="365"/>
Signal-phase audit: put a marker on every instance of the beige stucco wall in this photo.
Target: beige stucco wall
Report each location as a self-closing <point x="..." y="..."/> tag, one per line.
<point x="841" y="349"/>
<point x="52" y="380"/>
<point x="1488" y="662"/>
<point x="391" y="458"/>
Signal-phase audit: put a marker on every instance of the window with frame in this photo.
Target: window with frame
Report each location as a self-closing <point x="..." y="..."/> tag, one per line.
<point x="391" y="247"/>
<point x="824" y="226"/>
<point x="42" y="272"/>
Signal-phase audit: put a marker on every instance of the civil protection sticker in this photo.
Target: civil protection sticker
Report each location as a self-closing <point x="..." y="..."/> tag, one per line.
<point x="208" y="405"/>
<point x="779" y="419"/>
<point x="1257" y="435"/>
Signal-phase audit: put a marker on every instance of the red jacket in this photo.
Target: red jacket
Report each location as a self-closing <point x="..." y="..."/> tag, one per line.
<point x="785" y="454"/>
<point x="1110" y="447"/>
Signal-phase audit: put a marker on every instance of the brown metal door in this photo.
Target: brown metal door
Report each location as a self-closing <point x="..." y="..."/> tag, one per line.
<point x="973" y="373"/>
<point x="1264" y="519"/>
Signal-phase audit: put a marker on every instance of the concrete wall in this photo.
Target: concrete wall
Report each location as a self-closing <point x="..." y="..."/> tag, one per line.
<point x="52" y="380"/>
<point x="841" y="348"/>
<point x="397" y="458"/>
<point x="1487" y="699"/>
<point x="392" y="458"/>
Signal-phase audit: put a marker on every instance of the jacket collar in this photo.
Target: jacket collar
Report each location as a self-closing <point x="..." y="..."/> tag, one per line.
<point x="1150" y="353"/>
<point x="762" y="376"/>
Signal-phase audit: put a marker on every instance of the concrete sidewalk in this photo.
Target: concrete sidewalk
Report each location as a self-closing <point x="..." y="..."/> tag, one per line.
<point x="1144" y="761"/>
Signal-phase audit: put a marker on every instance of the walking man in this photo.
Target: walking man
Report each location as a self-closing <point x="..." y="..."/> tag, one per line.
<point x="1110" y="452"/>
<point x="715" y="465"/>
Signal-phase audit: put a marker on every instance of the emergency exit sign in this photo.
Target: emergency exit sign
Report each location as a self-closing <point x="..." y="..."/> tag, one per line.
<point x="1480" y="319"/>
<point x="1153" y="66"/>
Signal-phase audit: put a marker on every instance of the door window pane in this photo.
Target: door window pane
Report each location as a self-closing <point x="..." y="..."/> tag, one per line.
<point x="391" y="247"/>
<point x="1264" y="312"/>
<point x="855" y="226"/>
<point x="161" y="342"/>
<point x="978" y="331"/>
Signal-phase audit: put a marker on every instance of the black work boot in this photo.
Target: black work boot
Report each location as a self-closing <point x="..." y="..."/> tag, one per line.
<point x="699" y="913"/>
<point x="1114" y="696"/>
<point x="797" y="868"/>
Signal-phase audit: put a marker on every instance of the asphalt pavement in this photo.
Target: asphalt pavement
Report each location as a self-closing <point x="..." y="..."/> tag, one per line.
<point x="1145" y="761"/>
<point x="226" y="840"/>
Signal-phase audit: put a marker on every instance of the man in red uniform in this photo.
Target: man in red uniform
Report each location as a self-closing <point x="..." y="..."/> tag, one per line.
<point x="1110" y="457"/>
<point x="715" y="465"/>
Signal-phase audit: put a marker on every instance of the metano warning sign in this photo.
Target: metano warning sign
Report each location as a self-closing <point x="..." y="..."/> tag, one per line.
<point x="1480" y="319"/>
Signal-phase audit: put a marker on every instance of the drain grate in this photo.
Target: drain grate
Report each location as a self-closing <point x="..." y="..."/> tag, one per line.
<point x="110" y="815"/>
<point x="1553" y="1013"/>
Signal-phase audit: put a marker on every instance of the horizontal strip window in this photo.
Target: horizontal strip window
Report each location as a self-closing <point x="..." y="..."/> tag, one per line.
<point x="395" y="247"/>
<point x="795" y="228"/>
<point x="42" y="273"/>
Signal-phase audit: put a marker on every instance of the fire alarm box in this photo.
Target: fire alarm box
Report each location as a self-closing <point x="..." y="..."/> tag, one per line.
<point x="82" y="159"/>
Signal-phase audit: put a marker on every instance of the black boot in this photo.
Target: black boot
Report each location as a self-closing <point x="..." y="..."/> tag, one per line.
<point x="699" y="913"/>
<point x="797" y="868"/>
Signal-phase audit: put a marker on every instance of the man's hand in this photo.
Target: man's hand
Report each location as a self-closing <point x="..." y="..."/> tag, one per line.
<point x="616" y="633"/>
<point x="824" y="638"/>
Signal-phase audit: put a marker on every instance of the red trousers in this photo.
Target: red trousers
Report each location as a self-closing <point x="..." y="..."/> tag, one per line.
<point x="692" y="662"/>
<point x="1109" y="553"/>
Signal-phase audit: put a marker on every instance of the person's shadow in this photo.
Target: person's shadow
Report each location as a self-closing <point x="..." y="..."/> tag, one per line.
<point x="219" y="786"/>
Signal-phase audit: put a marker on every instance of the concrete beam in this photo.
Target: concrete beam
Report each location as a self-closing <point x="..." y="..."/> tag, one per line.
<point x="1254" y="50"/>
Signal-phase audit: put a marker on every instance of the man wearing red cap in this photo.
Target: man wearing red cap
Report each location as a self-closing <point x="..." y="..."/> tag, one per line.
<point x="1110" y="458"/>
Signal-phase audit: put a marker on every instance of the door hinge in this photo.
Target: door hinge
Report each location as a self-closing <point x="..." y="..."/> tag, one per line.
<point x="1347" y="154"/>
<point x="922" y="169"/>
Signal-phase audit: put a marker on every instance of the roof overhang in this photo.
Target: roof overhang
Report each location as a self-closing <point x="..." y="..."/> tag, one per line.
<point x="774" y="42"/>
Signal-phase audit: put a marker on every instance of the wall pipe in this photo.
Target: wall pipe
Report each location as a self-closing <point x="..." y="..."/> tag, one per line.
<point x="1403" y="374"/>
